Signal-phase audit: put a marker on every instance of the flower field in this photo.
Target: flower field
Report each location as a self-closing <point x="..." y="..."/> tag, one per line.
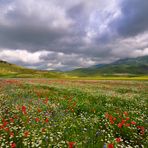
<point x="42" y="113"/>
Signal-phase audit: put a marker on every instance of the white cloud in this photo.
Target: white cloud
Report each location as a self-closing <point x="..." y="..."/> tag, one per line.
<point x="21" y="56"/>
<point x="130" y="47"/>
<point x="138" y="53"/>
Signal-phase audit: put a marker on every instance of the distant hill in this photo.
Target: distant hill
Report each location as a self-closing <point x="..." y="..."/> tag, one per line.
<point x="123" y="67"/>
<point x="12" y="70"/>
<point x="128" y="66"/>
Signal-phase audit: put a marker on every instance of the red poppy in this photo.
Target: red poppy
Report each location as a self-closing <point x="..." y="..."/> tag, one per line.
<point x="46" y="120"/>
<point x="71" y="144"/>
<point x="110" y="145"/>
<point x="123" y="121"/>
<point x="125" y="113"/>
<point x="114" y="119"/>
<point x="127" y="118"/>
<point x="11" y="120"/>
<point x="39" y="110"/>
<point x="15" y="116"/>
<point x="5" y="123"/>
<point x="1" y="127"/>
<point x="37" y="119"/>
<point x="141" y="129"/>
<point x="13" y="145"/>
<point x="24" y="109"/>
<point x="120" y="125"/>
<point x="6" y="129"/>
<point x="110" y="117"/>
<point x="11" y="134"/>
<point x="133" y="122"/>
<point x="111" y="121"/>
<point x="127" y="124"/>
<point x="3" y="120"/>
<point x="118" y="139"/>
<point x="26" y="133"/>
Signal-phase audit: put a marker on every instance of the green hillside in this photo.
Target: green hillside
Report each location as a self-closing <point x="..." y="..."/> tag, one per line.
<point x="129" y="66"/>
<point x="12" y="70"/>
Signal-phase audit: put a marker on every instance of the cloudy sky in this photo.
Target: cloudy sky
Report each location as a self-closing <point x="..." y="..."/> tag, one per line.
<point x="67" y="34"/>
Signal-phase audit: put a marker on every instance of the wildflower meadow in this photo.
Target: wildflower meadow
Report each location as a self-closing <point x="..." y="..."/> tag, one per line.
<point x="50" y="113"/>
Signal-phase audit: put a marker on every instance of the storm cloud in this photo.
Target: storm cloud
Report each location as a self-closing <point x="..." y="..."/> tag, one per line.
<point x="133" y="19"/>
<point x="69" y="34"/>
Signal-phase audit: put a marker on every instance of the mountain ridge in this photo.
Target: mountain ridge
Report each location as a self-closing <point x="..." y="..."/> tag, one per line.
<point x="127" y="66"/>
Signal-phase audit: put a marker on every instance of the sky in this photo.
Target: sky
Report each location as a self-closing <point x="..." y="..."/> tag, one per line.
<point x="68" y="34"/>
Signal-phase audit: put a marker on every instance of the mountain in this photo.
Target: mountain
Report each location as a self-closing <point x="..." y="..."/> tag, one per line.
<point x="12" y="70"/>
<point x="128" y="66"/>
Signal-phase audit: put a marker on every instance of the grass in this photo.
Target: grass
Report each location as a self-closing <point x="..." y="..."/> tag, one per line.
<point x="68" y="113"/>
<point x="8" y="70"/>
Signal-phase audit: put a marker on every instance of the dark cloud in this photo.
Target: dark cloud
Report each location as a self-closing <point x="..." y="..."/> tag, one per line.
<point x="68" y="34"/>
<point x="29" y="37"/>
<point x="133" y="19"/>
<point x="80" y="16"/>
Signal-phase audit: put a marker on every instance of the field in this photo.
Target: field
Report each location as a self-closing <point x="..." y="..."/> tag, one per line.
<point x="73" y="113"/>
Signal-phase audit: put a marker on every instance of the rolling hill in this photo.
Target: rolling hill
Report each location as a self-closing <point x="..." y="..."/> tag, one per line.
<point x="128" y="66"/>
<point x="12" y="70"/>
<point x="124" y="67"/>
